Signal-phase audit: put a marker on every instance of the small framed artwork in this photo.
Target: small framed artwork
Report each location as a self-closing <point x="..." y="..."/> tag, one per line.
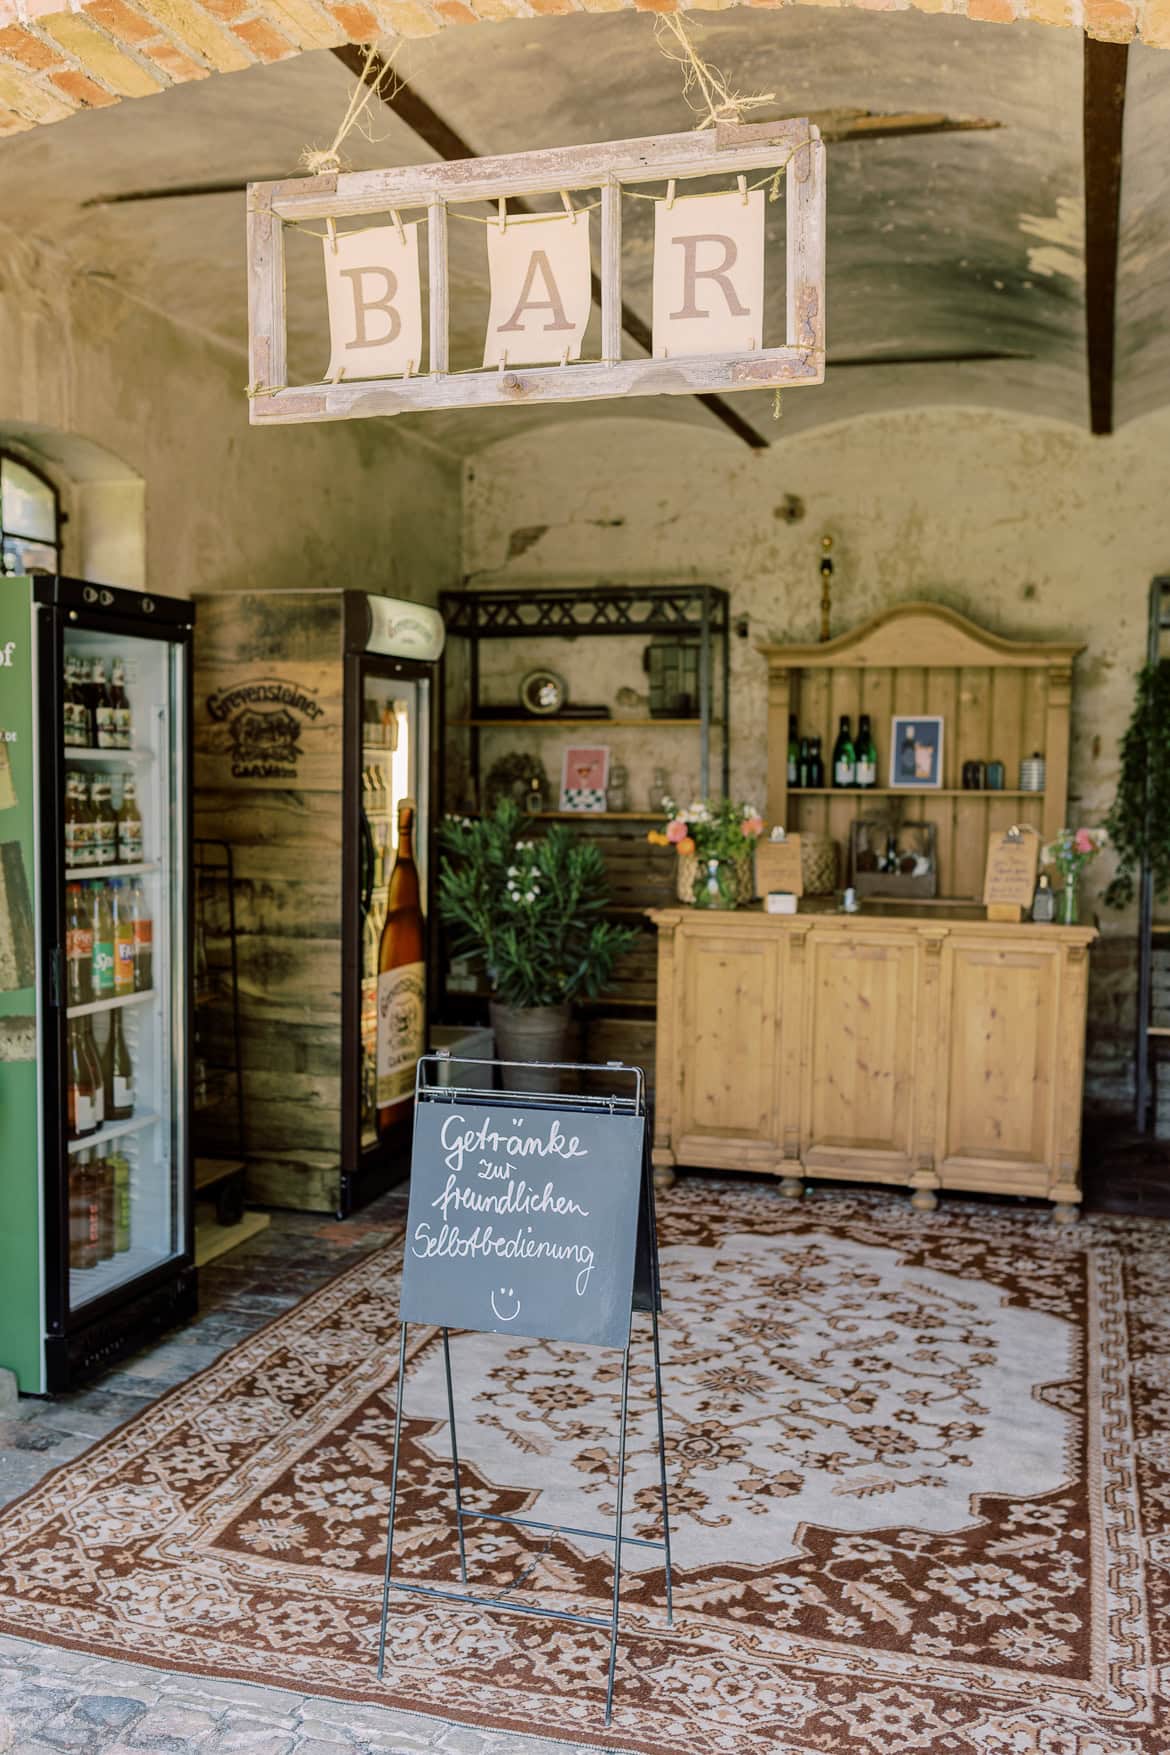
<point x="584" y="776"/>
<point x="916" y="751"/>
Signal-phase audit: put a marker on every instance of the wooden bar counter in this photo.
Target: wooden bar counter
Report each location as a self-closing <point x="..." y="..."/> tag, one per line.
<point x="930" y="1048"/>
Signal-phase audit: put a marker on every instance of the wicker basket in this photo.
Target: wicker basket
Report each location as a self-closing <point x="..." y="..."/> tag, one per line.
<point x="818" y="864"/>
<point x="688" y="870"/>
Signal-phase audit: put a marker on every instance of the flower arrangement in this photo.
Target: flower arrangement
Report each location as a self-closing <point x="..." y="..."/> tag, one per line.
<point x="1071" y="851"/>
<point x="531" y="908"/>
<point x="719" y="835"/>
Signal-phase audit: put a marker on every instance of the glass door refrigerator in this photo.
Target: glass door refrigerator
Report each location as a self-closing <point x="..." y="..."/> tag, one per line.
<point x="95" y="1002"/>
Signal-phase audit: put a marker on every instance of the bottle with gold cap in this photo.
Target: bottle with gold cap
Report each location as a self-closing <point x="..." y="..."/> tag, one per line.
<point x="402" y="991"/>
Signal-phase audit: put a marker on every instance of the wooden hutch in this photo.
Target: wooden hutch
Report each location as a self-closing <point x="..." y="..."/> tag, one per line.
<point x="913" y="1043"/>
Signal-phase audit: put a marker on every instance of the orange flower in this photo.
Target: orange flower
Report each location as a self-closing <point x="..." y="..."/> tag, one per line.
<point x="657" y="839"/>
<point x="686" y="845"/>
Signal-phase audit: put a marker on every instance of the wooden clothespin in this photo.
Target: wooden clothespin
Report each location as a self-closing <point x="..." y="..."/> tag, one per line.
<point x="331" y="233"/>
<point x="670" y="189"/>
<point x="397" y="218"/>
<point x="743" y="190"/>
<point x="569" y="208"/>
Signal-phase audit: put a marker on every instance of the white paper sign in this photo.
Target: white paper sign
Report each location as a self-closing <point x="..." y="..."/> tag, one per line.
<point x="709" y="275"/>
<point x="375" y="303"/>
<point x="541" y="290"/>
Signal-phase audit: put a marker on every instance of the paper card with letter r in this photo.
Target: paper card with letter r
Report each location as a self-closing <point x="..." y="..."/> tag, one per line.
<point x="542" y="289"/>
<point x="375" y="303"/>
<point x="709" y="274"/>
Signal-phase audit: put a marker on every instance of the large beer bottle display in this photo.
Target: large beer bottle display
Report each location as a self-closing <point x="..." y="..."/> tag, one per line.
<point x="120" y="1206"/>
<point x="401" y="993"/>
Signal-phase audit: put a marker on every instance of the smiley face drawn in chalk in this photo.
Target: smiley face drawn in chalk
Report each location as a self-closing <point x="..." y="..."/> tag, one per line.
<point x="505" y="1292"/>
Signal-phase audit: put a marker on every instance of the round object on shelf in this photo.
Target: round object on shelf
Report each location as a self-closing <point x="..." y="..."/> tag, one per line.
<point x="818" y="864"/>
<point x="543" y="692"/>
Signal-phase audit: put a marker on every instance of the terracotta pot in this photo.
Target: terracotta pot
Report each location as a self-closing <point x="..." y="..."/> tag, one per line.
<point x="540" y="1032"/>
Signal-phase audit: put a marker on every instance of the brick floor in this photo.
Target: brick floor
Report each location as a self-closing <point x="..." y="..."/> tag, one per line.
<point x="69" y="1703"/>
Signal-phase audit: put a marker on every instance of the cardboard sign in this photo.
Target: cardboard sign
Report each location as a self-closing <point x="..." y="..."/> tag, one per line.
<point x="778" y="866"/>
<point x="709" y="275"/>
<point x="542" y="290"/>
<point x="523" y="1220"/>
<point x="1010" y="878"/>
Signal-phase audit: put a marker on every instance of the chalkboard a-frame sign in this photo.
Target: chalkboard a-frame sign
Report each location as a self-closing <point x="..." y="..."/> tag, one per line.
<point x="530" y="1215"/>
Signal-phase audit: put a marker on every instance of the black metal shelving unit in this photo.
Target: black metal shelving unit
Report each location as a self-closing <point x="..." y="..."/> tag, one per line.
<point x="592" y="612"/>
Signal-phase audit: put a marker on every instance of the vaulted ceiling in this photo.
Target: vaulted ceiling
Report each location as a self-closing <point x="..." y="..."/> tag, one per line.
<point x="957" y="259"/>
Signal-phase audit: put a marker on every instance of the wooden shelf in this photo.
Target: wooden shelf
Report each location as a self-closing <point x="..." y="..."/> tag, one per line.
<point x="114" y="1130"/>
<point x="76" y="874"/>
<point x="582" y="816"/>
<point x="109" y="1005"/>
<point x="551" y="720"/>
<point x="134" y="756"/>
<point x="980" y="792"/>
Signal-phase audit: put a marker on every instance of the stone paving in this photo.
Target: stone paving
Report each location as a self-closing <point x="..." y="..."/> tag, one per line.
<point x="56" y="1702"/>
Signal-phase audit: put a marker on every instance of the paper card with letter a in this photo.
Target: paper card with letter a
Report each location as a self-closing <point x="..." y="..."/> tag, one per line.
<point x="375" y="303"/>
<point x="709" y="275"/>
<point x="542" y="290"/>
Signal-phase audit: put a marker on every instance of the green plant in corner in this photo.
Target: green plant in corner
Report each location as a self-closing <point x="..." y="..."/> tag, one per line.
<point x="1139" y="822"/>
<point x="530" y="907"/>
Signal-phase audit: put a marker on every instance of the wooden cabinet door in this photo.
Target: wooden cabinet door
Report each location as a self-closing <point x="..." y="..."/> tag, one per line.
<point x="727" y="1050"/>
<point x="861" y="1022"/>
<point x="998" y="1121"/>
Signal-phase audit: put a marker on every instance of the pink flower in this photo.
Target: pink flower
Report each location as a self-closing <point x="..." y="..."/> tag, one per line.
<point x="1083" y="841"/>
<point x="753" y="825"/>
<point x="676" y="830"/>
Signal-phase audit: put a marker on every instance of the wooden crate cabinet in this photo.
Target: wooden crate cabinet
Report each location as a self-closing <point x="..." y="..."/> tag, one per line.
<point x="938" y="1052"/>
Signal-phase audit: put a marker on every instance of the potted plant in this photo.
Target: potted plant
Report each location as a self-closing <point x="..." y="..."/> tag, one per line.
<point x="1139" y="822"/>
<point x="714" y="840"/>
<point x="531" y="908"/>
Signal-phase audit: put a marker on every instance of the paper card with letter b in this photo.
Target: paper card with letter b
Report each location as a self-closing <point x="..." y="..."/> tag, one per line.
<point x="709" y="275"/>
<point x="375" y="303"/>
<point x="542" y="289"/>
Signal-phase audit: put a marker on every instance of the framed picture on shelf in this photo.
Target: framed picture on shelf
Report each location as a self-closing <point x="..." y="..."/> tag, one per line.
<point x="916" y="751"/>
<point x="584" y="775"/>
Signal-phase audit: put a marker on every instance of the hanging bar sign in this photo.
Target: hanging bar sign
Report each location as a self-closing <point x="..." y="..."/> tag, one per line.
<point x="712" y="255"/>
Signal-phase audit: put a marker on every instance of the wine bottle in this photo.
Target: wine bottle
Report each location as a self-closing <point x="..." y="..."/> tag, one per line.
<point x="816" y="764"/>
<point x="82" y="1115"/>
<point x="118" y="1072"/>
<point x="844" y="756"/>
<point x="97" y="1077"/>
<point x="802" y="766"/>
<point x="866" y="752"/>
<point x="793" y="752"/>
<point x="401" y="984"/>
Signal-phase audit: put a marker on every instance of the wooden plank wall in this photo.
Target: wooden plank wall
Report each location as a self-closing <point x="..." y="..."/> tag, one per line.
<point x="991" y="713"/>
<point x="268" y="776"/>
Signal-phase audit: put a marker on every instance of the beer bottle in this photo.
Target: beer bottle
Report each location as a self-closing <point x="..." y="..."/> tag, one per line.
<point x="89" y="1203"/>
<point x="120" y="1165"/>
<point x="128" y="821"/>
<point x="402" y="1011"/>
<point x="85" y="737"/>
<point x="102" y="1172"/>
<point x="103" y="708"/>
<point x="118" y="1072"/>
<point x="105" y="832"/>
<point x="103" y="943"/>
<point x="120" y="706"/>
<point x="121" y="909"/>
<point x="143" y="940"/>
<point x="78" y="1215"/>
<point x="81" y="1109"/>
<point x="78" y="945"/>
<point x="72" y="708"/>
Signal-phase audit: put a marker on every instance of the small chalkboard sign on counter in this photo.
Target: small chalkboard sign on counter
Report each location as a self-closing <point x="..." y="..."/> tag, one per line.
<point x="1009" y="882"/>
<point x="523" y="1220"/>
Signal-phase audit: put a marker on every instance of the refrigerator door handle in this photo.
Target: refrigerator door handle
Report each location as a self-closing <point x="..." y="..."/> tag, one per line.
<point x="368" y="864"/>
<point x="55" y="985"/>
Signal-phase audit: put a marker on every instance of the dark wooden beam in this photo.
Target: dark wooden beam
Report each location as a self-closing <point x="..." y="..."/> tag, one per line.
<point x="1104" y="117"/>
<point x="436" y="133"/>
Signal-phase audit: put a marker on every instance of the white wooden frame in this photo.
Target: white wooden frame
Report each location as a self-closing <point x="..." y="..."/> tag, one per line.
<point x="607" y="166"/>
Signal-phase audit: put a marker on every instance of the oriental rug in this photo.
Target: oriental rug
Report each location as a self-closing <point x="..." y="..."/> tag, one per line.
<point x="920" y="1483"/>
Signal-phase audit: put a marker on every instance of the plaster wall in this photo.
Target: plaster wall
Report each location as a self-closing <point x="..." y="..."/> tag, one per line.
<point x="195" y="499"/>
<point x="1032" y="529"/>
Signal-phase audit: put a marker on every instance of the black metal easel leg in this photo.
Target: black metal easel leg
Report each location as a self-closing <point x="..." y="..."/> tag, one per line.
<point x="662" y="1466"/>
<point x="454" y="1455"/>
<point x="393" y="1496"/>
<point x="617" y="1533"/>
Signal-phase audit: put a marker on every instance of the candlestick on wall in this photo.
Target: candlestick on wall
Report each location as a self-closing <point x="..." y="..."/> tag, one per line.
<point x="826" y="585"/>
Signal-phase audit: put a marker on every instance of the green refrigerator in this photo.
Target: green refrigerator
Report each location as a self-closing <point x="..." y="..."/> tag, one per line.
<point x="95" y="992"/>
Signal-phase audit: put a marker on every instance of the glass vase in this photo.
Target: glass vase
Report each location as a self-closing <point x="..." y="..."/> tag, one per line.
<point x="716" y="884"/>
<point x="1068" y="902"/>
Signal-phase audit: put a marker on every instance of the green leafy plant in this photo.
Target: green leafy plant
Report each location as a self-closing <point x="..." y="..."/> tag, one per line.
<point x="531" y="907"/>
<point x="1139" y="822"/>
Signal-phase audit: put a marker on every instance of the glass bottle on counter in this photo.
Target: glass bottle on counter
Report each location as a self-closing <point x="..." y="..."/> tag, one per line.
<point x="1044" y="901"/>
<point x="844" y="756"/>
<point x="866" y="752"/>
<point x="401" y="1028"/>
